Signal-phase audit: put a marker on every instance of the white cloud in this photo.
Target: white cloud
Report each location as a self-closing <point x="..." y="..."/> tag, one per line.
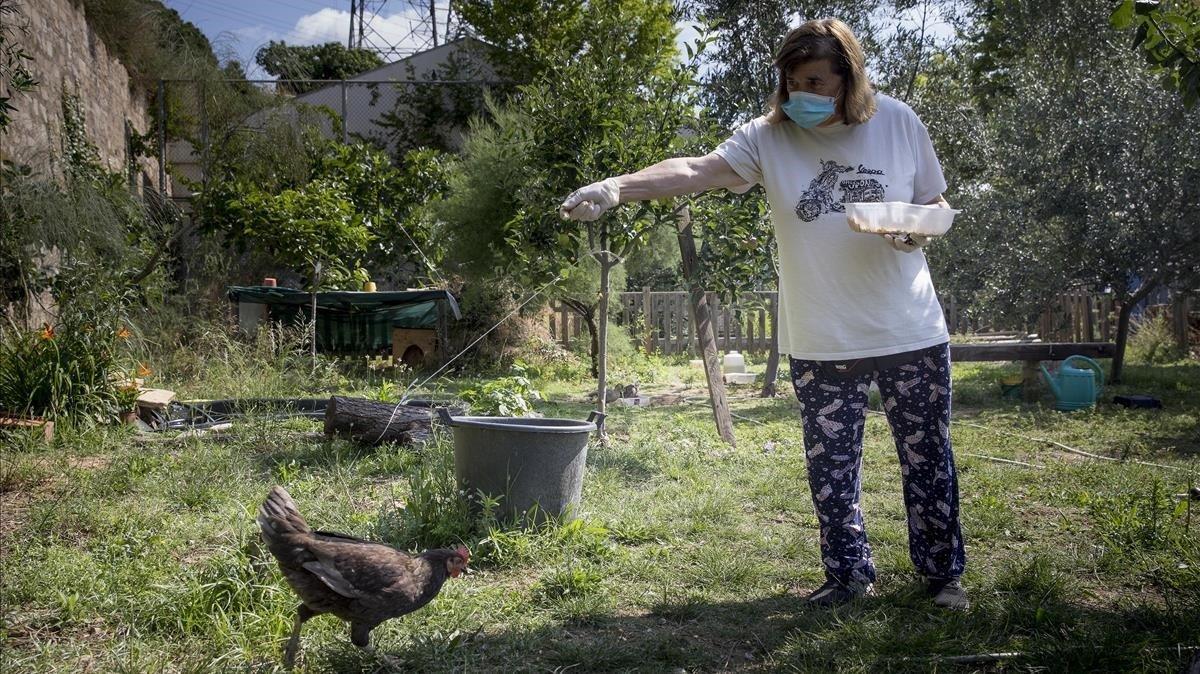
<point x="326" y="25"/>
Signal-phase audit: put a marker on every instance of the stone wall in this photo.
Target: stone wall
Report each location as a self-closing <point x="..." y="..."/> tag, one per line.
<point x="69" y="56"/>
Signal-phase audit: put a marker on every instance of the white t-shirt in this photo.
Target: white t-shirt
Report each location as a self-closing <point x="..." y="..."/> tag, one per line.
<point x="844" y="294"/>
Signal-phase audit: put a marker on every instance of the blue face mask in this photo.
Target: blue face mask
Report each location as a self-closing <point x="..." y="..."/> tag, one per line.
<point x="809" y="110"/>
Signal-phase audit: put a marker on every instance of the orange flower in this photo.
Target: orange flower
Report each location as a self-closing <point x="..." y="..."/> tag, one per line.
<point x="143" y="371"/>
<point x="123" y="333"/>
<point x="47" y="331"/>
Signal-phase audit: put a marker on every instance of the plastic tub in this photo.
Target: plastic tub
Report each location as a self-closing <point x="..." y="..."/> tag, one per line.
<point x="897" y="217"/>
<point x="533" y="466"/>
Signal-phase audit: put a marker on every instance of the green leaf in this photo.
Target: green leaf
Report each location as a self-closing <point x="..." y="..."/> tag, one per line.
<point x="1122" y="16"/>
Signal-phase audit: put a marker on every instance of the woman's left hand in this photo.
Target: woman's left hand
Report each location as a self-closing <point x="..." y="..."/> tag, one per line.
<point x="906" y="243"/>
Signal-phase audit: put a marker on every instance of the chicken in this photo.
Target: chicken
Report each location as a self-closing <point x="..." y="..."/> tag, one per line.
<point x="358" y="581"/>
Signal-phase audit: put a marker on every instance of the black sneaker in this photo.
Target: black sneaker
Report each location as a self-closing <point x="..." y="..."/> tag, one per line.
<point x="836" y="593"/>
<point x="948" y="593"/>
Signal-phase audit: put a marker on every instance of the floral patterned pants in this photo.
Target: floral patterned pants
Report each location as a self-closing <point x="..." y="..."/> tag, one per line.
<point x="916" y="398"/>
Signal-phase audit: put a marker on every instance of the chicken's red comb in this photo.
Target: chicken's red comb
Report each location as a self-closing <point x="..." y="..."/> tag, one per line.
<point x="463" y="552"/>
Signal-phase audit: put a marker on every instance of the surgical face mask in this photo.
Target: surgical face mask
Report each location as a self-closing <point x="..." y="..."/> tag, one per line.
<point x="809" y="110"/>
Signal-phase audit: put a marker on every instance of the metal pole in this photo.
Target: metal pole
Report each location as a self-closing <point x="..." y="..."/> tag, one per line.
<point x="345" y="119"/>
<point x="162" y="136"/>
<point x="433" y="18"/>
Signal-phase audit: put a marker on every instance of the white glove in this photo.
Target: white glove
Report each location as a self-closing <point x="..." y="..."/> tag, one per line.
<point x="588" y="203"/>
<point x="907" y="243"/>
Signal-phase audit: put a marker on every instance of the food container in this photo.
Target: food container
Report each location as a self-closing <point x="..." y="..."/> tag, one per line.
<point x="897" y="217"/>
<point x="740" y="377"/>
<point x="734" y="362"/>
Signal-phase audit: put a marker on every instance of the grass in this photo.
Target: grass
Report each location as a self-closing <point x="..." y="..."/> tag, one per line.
<point x="121" y="554"/>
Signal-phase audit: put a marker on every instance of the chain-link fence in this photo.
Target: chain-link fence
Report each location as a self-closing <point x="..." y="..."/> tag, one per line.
<point x="199" y="120"/>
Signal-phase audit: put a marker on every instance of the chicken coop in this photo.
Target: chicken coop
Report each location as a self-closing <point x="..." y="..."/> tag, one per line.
<point x="410" y="325"/>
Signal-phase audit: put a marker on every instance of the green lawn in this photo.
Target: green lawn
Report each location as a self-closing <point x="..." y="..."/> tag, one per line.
<point x="142" y="556"/>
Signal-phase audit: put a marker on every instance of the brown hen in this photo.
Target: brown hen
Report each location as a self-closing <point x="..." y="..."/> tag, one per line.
<point x="358" y="581"/>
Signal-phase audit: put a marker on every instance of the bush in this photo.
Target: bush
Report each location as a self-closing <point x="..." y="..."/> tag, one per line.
<point x="1152" y="341"/>
<point x="505" y="396"/>
<point x="68" y="370"/>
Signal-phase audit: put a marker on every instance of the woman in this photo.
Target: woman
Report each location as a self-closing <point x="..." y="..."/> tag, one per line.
<point x="854" y="307"/>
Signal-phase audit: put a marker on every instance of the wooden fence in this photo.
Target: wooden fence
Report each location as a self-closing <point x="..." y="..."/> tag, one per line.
<point x="747" y="325"/>
<point x="666" y="327"/>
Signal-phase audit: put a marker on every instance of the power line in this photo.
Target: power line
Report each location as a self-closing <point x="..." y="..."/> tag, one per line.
<point x="425" y="28"/>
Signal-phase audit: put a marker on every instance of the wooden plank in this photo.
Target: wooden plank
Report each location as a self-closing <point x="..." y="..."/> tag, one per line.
<point x="155" y="398"/>
<point x="648" y="319"/>
<point x="1089" y="323"/>
<point x="1030" y="351"/>
<point x="762" y="329"/>
<point x="749" y="344"/>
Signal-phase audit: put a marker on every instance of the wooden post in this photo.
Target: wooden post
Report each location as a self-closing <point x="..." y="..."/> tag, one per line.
<point x="442" y="346"/>
<point x="704" y="328"/>
<point x="1179" y="319"/>
<point x="1031" y="388"/>
<point x="648" y="318"/>
<point x="769" y="387"/>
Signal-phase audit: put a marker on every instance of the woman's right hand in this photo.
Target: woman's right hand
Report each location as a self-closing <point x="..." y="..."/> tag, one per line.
<point x="588" y="203"/>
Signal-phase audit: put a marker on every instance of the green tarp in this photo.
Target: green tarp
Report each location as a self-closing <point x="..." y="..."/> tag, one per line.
<point x="351" y="322"/>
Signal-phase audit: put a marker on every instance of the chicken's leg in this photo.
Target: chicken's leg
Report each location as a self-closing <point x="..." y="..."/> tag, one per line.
<point x="360" y="635"/>
<point x="303" y="613"/>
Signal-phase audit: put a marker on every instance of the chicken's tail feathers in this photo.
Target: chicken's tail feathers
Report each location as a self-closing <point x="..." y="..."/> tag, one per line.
<point x="279" y="516"/>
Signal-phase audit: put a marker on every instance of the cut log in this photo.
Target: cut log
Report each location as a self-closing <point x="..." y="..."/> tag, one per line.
<point x="373" y="422"/>
<point x="37" y="425"/>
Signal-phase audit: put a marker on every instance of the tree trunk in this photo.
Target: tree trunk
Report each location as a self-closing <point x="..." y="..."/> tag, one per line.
<point x="606" y="265"/>
<point x="772" y="374"/>
<point x="588" y="314"/>
<point x="704" y="329"/>
<point x="367" y="421"/>
<point x="1123" y="326"/>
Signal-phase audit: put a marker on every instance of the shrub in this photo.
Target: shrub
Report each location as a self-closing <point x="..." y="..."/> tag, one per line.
<point x="505" y="396"/>
<point x="67" y="370"/>
<point x="1152" y="341"/>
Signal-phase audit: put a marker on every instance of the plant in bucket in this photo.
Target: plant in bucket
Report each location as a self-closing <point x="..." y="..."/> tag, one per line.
<point x="533" y="467"/>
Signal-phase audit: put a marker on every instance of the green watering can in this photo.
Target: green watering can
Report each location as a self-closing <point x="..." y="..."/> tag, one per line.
<point x="1075" y="388"/>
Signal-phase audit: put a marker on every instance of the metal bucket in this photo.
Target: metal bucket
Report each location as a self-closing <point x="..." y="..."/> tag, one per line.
<point x="532" y="466"/>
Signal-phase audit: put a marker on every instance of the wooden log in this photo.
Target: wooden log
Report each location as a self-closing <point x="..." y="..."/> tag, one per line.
<point x="37" y="425"/>
<point x="373" y="422"/>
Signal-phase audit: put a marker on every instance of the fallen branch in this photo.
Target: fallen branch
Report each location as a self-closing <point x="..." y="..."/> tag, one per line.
<point x="996" y="458"/>
<point x="1069" y="448"/>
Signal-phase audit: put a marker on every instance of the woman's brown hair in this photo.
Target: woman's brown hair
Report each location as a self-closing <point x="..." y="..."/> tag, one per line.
<point x="833" y="40"/>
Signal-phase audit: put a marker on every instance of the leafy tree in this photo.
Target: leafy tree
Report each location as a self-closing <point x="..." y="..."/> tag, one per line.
<point x="1086" y="170"/>
<point x="613" y="107"/>
<point x="1168" y="34"/>
<point x="293" y="196"/>
<point x="329" y="61"/>
<point x="433" y="113"/>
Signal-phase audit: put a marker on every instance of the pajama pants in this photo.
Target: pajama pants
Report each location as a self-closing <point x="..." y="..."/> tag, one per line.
<point x="916" y="398"/>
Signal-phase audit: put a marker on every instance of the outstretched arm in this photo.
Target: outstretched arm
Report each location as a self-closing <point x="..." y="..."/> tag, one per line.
<point x="668" y="178"/>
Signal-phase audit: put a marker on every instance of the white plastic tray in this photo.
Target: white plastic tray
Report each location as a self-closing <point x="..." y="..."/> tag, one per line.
<point x="897" y="217"/>
<point x="740" y="377"/>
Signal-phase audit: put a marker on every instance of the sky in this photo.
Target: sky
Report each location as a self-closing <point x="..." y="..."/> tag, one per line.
<point x="238" y="28"/>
